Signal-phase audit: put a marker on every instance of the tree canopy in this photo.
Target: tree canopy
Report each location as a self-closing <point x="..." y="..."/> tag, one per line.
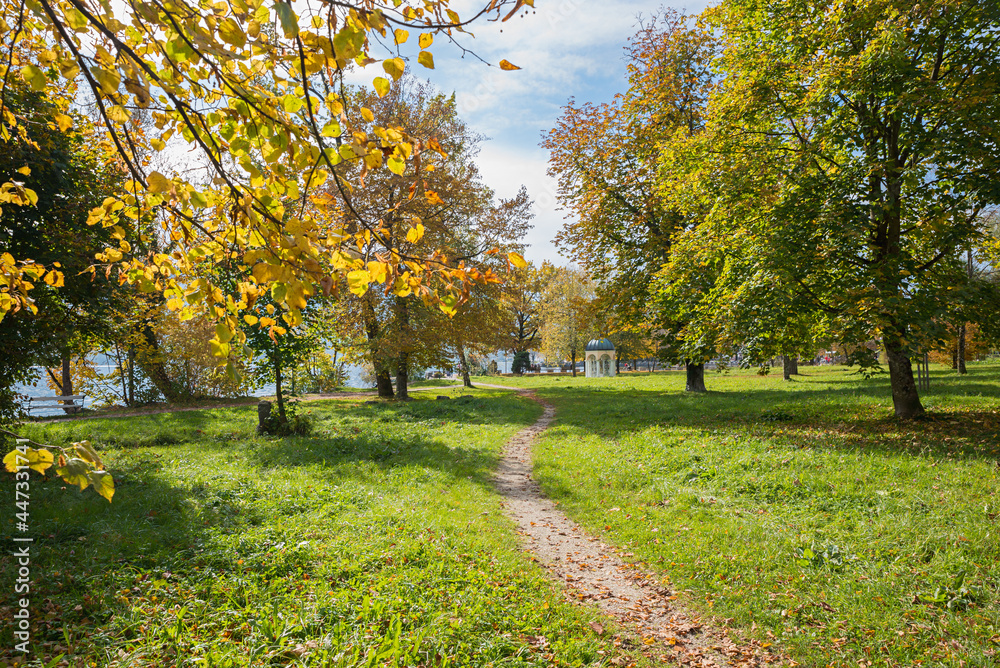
<point x="239" y="82"/>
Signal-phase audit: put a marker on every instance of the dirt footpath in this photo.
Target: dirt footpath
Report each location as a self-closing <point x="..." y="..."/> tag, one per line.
<point x="591" y="571"/>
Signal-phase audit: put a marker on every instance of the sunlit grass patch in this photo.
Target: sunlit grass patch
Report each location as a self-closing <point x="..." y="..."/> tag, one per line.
<point x="801" y="512"/>
<point x="378" y="540"/>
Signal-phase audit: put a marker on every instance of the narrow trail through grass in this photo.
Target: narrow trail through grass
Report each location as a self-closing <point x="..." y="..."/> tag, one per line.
<point x="591" y="571"/>
<point x="801" y="512"/>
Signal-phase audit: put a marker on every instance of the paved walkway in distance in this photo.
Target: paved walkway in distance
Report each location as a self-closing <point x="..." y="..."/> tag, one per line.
<point x="591" y="571"/>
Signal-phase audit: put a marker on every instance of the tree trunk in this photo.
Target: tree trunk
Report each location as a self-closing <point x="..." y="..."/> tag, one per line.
<point x="789" y="366"/>
<point x="403" y="358"/>
<point x="618" y="365"/>
<point x="277" y="388"/>
<point x="120" y="362"/>
<point x="130" y="400"/>
<point x="466" y="381"/>
<point x="954" y="356"/>
<point x="155" y="369"/>
<point x="695" y="377"/>
<point x="383" y="381"/>
<point x="905" y="399"/>
<point x="67" y="384"/>
<point x="67" y="377"/>
<point x="960" y="353"/>
<point x="403" y="376"/>
<point x="962" y="348"/>
<point x="572" y="360"/>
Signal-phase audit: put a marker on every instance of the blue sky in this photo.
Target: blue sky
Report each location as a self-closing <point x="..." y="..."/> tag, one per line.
<point x="566" y="48"/>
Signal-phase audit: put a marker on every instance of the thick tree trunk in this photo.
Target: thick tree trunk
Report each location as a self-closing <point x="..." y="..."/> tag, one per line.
<point x="67" y="377"/>
<point x="66" y="386"/>
<point x="466" y="380"/>
<point x="905" y="398"/>
<point x="403" y="376"/>
<point x="572" y="360"/>
<point x="695" y="377"/>
<point x="789" y="366"/>
<point x="383" y="381"/>
<point x="960" y="353"/>
<point x="155" y="370"/>
<point x="403" y="358"/>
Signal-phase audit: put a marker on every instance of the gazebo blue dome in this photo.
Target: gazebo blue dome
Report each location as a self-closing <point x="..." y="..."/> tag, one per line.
<point x="599" y="344"/>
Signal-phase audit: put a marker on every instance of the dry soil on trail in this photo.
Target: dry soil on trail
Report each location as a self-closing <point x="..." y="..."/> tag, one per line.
<point x="591" y="571"/>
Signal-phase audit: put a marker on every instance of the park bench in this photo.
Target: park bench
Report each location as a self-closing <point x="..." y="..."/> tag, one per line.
<point x="70" y="405"/>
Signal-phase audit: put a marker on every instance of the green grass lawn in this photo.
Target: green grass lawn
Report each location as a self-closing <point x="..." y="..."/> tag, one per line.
<point x="376" y="541"/>
<point x="798" y="512"/>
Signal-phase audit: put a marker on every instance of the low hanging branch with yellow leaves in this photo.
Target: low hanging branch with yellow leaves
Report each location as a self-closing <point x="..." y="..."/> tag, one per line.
<point x="16" y="276"/>
<point x="257" y="91"/>
<point x="77" y="464"/>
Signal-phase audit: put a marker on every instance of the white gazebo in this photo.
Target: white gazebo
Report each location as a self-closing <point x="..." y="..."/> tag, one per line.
<point x="600" y="358"/>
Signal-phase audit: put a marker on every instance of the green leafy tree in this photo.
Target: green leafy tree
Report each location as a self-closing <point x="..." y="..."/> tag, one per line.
<point x="854" y="145"/>
<point x="70" y="175"/>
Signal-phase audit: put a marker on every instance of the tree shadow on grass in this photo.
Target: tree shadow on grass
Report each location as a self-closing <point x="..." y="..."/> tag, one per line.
<point x="400" y="435"/>
<point x="181" y="513"/>
<point x="84" y="549"/>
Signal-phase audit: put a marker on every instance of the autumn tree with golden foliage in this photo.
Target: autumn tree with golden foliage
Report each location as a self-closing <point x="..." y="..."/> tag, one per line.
<point x="214" y="79"/>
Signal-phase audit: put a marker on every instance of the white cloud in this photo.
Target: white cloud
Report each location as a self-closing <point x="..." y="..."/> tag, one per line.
<point x="565" y="48"/>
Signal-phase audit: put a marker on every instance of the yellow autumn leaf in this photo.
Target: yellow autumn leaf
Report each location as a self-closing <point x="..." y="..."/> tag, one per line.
<point x="401" y="36"/>
<point x="426" y="58"/>
<point x="34" y="77"/>
<point x="517" y="260"/>
<point x="381" y="86"/>
<point x="63" y="121"/>
<point x="157" y="183"/>
<point x="37" y="460"/>
<point x="103" y="483"/>
<point x="426" y="39"/>
<point x="396" y="164"/>
<point x="508" y="66"/>
<point x="394" y="67"/>
<point x="231" y="32"/>
<point x="357" y="281"/>
<point x="378" y="271"/>
<point x="414" y="234"/>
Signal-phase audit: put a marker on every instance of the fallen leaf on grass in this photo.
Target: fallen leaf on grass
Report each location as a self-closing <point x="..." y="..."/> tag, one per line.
<point x="597" y="627"/>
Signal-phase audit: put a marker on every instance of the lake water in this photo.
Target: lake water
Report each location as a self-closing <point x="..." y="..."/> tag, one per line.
<point x="40" y="388"/>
